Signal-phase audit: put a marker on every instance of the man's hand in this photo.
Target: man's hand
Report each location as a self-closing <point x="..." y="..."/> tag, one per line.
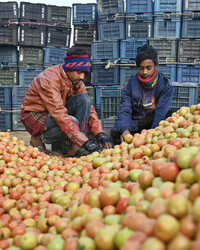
<point x="91" y="146"/>
<point x="122" y="137"/>
<point x="104" y="141"/>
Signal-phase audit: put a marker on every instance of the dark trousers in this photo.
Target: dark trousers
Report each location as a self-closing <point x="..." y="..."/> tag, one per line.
<point x="136" y="127"/>
<point x="78" y="107"/>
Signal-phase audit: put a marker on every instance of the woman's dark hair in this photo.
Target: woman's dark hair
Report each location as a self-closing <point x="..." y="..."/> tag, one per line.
<point x="75" y="50"/>
<point x="146" y="52"/>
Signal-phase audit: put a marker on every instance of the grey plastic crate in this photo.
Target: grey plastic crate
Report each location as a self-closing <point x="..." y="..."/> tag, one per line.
<point x="126" y="72"/>
<point x="9" y="76"/>
<point x="110" y="29"/>
<point x="8" y="34"/>
<point x="85" y="34"/>
<point x="110" y="6"/>
<point x="91" y="93"/>
<point x="189" y="51"/>
<point x="191" y="25"/>
<point x="32" y="35"/>
<point x="105" y="50"/>
<point x="59" y="14"/>
<point x="139" y="27"/>
<point x="191" y="5"/>
<point x="166" y="48"/>
<point x="108" y="124"/>
<point x="8" y="55"/>
<point x="8" y="11"/>
<point x="58" y="36"/>
<point x="31" y="56"/>
<point x="33" y="12"/>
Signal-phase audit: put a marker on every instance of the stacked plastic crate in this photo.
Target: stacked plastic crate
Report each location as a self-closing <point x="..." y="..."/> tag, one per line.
<point x="84" y="19"/>
<point x="188" y="69"/>
<point x="8" y="60"/>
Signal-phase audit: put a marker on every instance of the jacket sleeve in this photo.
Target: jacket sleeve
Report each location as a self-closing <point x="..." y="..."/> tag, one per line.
<point x="125" y="113"/>
<point x="54" y="104"/>
<point x="164" y="103"/>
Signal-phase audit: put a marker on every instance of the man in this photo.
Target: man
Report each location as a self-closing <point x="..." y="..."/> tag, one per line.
<point x="147" y="97"/>
<point x="57" y="109"/>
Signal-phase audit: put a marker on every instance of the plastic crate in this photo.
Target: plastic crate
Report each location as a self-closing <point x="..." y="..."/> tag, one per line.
<point x="188" y="73"/>
<point x="54" y="55"/>
<point x="84" y="14"/>
<point x="8" y="76"/>
<point x="139" y="27"/>
<point x="189" y="51"/>
<point x="32" y="35"/>
<point x="91" y="93"/>
<point x="169" y="70"/>
<point x="26" y="75"/>
<point x="167" y="25"/>
<point x="5" y="121"/>
<point x="31" y="56"/>
<point x="88" y="79"/>
<point x="102" y="76"/>
<point x="185" y="94"/>
<point x="8" y="34"/>
<point x="128" y="48"/>
<point x="5" y="97"/>
<point x="126" y="72"/>
<point x="166" y="48"/>
<point x="58" y="36"/>
<point x="139" y="6"/>
<point x="110" y="6"/>
<point x="18" y="95"/>
<point x="59" y="14"/>
<point x="191" y="5"/>
<point x="108" y="101"/>
<point x="85" y="34"/>
<point x="110" y="29"/>
<point x="191" y="26"/>
<point x="103" y="50"/>
<point x="8" y="56"/>
<point x="8" y="11"/>
<point x="108" y="124"/>
<point x="167" y="6"/>
<point x="33" y="12"/>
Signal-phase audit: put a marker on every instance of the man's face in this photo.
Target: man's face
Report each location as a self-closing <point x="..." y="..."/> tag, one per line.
<point x="147" y="68"/>
<point x="76" y="76"/>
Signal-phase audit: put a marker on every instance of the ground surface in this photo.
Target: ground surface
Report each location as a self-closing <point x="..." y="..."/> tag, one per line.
<point x="22" y="135"/>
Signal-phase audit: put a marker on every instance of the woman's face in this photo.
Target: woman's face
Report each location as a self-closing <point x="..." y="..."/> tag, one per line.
<point x="147" y="68"/>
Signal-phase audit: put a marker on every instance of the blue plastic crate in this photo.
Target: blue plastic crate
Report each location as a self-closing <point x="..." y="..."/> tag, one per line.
<point x="167" y="26"/>
<point x="26" y="75"/>
<point x="5" y="121"/>
<point x="5" y="97"/>
<point x="84" y="13"/>
<point x="184" y="95"/>
<point x="126" y="72"/>
<point x="18" y="94"/>
<point x="139" y="6"/>
<point x="167" y="6"/>
<point x="54" y="55"/>
<point x="191" y="26"/>
<point x="191" y="5"/>
<point x="139" y="27"/>
<point x="169" y="70"/>
<point x="8" y="56"/>
<point x="106" y="7"/>
<point x="105" y="50"/>
<point x="108" y="101"/>
<point x="110" y="29"/>
<point x="128" y="48"/>
<point x="188" y="73"/>
<point x="102" y="76"/>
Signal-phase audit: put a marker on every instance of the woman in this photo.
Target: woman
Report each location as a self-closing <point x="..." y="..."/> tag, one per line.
<point x="147" y="97"/>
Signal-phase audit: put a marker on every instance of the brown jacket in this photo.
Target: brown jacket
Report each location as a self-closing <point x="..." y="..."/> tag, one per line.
<point x="48" y="92"/>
